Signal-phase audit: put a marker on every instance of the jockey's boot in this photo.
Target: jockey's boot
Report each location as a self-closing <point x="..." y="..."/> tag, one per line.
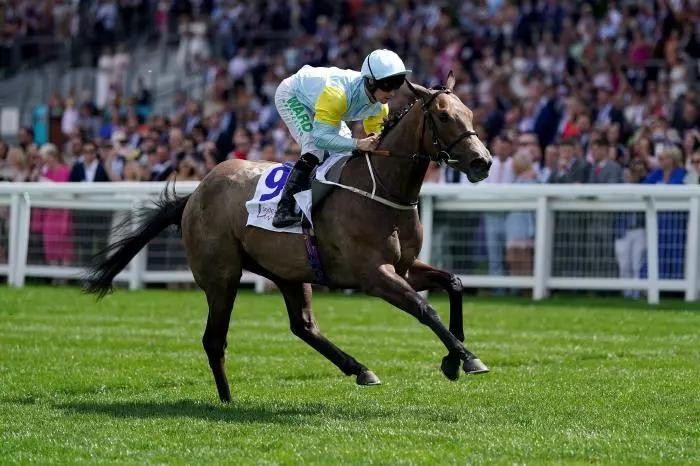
<point x="297" y="181"/>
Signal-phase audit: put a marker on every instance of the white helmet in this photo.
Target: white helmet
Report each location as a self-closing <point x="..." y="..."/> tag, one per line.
<point x="383" y="63"/>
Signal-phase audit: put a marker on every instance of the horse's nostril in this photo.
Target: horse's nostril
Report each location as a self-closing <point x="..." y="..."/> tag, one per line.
<point x="480" y="164"/>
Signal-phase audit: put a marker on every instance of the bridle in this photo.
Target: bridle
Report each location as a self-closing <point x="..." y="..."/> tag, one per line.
<point x="442" y="151"/>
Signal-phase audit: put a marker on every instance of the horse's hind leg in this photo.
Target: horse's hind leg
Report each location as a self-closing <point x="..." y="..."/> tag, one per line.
<point x="297" y="297"/>
<point x="220" y="299"/>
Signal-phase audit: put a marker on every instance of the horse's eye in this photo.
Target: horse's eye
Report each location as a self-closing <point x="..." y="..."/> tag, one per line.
<point x="444" y="117"/>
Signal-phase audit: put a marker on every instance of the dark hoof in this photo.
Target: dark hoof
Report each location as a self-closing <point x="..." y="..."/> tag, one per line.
<point x="450" y="367"/>
<point x="475" y="366"/>
<point x="368" y="378"/>
<point x="225" y="397"/>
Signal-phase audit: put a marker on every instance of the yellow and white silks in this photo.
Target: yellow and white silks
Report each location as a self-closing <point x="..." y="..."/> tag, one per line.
<point x="315" y="103"/>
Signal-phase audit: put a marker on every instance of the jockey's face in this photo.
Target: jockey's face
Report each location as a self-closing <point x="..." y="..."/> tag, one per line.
<point x="384" y="96"/>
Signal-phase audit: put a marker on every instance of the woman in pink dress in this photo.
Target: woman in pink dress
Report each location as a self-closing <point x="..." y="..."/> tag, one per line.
<point x="57" y="227"/>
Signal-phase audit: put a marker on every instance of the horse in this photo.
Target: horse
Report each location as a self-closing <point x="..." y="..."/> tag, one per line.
<point x="368" y="242"/>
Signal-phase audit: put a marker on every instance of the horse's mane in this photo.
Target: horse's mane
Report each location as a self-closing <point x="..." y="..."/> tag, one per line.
<point x="394" y="117"/>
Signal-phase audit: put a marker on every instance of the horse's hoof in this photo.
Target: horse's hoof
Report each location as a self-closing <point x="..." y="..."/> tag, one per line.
<point x="368" y="378"/>
<point x="450" y="367"/>
<point x="475" y="366"/>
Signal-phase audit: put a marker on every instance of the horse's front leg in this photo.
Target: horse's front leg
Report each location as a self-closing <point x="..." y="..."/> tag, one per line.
<point x="384" y="282"/>
<point x="421" y="277"/>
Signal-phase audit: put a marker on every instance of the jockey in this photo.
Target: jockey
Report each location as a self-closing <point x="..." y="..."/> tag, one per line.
<point x="315" y="103"/>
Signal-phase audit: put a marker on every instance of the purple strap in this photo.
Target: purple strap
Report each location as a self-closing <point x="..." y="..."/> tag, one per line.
<point x="312" y="252"/>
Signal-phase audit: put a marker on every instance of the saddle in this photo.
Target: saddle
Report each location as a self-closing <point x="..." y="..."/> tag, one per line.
<point x="332" y="174"/>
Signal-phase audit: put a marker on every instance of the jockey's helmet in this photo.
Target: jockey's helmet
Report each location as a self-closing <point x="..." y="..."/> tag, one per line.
<point x="385" y="70"/>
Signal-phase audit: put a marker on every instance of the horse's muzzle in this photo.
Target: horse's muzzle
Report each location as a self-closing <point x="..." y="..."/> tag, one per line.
<point x="478" y="169"/>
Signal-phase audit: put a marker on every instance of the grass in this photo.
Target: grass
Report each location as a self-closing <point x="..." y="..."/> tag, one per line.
<point x="125" y="381"/>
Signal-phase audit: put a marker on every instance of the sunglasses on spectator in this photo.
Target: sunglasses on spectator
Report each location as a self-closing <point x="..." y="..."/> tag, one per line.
<point x="695" y="161"/>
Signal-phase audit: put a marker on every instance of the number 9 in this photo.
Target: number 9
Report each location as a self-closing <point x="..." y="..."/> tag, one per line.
<point x="275" y="180"/>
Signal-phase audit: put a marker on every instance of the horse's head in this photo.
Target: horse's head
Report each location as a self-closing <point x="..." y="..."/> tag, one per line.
<point x="449" y="131"/>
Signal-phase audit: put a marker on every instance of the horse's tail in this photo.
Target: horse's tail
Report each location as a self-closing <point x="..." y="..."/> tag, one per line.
<point x="115" y="257"/>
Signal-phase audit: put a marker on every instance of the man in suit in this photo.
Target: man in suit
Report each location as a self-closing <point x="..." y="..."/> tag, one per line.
<point x="570" y="240"/>
<point x="607" y="111"/>
<point x="91" y="227"/>
<point x="601" y="229"/>
<point x="88" y="168"/>
<point x="546" y="116"/>
<point x="605" y="169"/>
<point x="571" y="167"/>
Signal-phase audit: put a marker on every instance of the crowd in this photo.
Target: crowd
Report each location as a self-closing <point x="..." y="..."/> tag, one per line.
<point x="562" y="92"/>
<point x="32" y="29"/>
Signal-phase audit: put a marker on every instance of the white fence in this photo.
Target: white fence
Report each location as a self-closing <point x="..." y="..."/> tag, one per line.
<point x="563" y="237"/>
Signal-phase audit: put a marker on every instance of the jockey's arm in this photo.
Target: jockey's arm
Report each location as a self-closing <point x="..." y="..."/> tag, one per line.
<point x="330" y="107"/>
<point x="375" y="123"/>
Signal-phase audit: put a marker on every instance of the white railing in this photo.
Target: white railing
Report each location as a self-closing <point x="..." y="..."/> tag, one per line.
<point x="543" y="201"/>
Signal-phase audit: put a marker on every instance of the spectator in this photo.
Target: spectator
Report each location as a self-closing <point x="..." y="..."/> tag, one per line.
<point x="57" y="224"/>
<point x="89" y="225"/>
<point x="631" y="245"/>
<point x="89" y="168"/>
<point x="26" y="137"/>
<point x="160" y="163"/>
<point x="520" y="226"/>
<point x="670" y="169"/>
<point x="17" y="168"/>
<point x="600" y="248"/>
<point x="551" y="164"/>
<point x="571" y="166"/>
<point x="672" y="225"/>
<point x="605" y="168"/>
<point x="495" y="228"/>
<point x="113" y="161"/>
<point x="187" y="170"/>
<point x="694" y="168"/>
<point x="242" y="143"/>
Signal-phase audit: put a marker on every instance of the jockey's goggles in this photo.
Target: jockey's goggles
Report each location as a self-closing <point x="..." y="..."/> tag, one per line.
<point x="392" y="83"/>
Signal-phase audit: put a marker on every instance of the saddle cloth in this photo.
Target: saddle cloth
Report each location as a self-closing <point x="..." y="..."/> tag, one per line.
<point x="263" y="205"/>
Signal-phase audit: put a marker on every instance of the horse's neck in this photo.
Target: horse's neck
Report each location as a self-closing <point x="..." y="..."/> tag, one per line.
<point x="402" y="175"/>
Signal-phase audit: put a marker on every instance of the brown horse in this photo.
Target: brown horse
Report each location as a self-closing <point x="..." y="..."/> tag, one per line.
<point x="363" y="244"/>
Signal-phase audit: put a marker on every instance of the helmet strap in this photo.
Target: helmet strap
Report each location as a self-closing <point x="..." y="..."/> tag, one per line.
<point x="371" y="89"/>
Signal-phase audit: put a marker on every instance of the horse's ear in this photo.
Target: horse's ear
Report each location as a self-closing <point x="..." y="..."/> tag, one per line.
<point x="450" y="84"/>
<point x="411" y="88"/>
<point x="418" y="91"/>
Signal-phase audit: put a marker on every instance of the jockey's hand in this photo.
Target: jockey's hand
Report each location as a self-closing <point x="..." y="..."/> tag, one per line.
<point x="369" y="143"/>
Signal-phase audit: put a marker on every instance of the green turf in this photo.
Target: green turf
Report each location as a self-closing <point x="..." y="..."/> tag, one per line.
<point x="126" y="381"/>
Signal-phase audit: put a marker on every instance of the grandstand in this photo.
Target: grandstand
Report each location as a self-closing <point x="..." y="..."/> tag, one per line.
<point x="563" y="92"/>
